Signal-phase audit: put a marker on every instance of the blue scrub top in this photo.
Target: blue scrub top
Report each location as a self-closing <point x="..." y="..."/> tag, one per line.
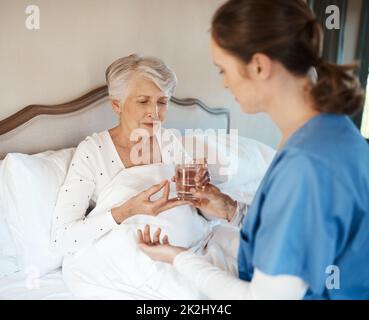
<point x="310" y="215"/>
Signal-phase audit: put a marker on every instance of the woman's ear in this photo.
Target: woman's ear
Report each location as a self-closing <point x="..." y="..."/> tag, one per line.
<point x="261" y="65"/>
<point x="116" y="106"/>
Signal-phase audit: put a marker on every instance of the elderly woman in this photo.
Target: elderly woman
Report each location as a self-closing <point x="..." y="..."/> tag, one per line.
<point x="139" y="89"/>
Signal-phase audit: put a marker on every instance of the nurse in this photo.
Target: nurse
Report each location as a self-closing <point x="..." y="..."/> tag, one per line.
<point x="306" y="234"/>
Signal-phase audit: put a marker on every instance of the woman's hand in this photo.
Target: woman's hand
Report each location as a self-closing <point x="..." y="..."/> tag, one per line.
<point x="154" y="249"/>
<point x="141" y="203"/>
<point x="210" y="200"/>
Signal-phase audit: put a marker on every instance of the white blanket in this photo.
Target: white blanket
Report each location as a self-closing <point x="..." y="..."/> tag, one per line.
<point x="114" y="267"/>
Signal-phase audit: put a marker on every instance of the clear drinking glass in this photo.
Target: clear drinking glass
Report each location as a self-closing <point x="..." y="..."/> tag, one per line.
<point x="185" y="179"/>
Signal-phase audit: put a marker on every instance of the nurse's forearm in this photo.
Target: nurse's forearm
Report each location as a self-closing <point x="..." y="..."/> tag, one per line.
<point x="231" y="211"/>
<point x="218" y="284"/>
<point x="210" y="280"/>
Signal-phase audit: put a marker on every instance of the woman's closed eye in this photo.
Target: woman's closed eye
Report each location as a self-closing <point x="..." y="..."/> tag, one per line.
<point x="162" y="103"/>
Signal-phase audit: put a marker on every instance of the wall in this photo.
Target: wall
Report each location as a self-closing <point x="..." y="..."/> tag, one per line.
<point x="77" y="40"/>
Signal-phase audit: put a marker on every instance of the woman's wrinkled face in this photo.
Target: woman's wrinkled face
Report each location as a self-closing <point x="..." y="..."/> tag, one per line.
<point x="242" y="80"/>
<point x="145" y="106"/>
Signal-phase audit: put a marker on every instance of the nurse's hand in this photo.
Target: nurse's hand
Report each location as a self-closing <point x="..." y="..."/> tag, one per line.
<point x="202" y="176"/>
<point x="154" y="249"/>
<point x="210" y="200"/>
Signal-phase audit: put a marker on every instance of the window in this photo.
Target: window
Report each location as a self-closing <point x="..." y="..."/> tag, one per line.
<point x="365" y="119"/>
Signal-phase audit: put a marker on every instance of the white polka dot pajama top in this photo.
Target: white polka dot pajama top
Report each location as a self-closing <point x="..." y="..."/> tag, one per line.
<point x="94" y="164"/>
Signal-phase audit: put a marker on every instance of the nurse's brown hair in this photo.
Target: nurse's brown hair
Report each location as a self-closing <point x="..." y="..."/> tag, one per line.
<point x="288" y="32"/>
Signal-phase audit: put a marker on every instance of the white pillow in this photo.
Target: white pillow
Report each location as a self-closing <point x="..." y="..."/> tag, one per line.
<point x="29" y="185"/>
<point x="249" y="165"/>
<point x="8" y="261"/>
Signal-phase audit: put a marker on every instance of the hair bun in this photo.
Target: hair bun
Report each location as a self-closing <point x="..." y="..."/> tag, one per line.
<point x="337" y="90"/>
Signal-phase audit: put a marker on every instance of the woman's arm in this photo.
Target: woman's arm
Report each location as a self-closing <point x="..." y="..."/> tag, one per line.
<point x="71" y="229"/>
<point x="218" y="284"/>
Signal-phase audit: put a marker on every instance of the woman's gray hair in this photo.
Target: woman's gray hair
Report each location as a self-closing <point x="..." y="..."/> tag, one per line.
<point x="120" y="72"/>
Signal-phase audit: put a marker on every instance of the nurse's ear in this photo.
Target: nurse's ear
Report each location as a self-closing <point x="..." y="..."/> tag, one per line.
<point x="261" y="66"/>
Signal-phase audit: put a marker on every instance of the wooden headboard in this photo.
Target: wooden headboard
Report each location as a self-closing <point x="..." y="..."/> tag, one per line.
<point x="37" y="128"/>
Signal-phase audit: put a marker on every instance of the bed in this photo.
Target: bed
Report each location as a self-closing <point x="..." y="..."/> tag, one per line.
<point x="19" y="286"/>
<point x="49" y="133"/>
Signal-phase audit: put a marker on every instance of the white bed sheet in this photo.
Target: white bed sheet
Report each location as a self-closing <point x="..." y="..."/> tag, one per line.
<point x="20" y="286"/>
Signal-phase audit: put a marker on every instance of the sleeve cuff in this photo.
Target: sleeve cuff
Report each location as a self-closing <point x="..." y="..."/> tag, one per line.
<point x="237" y="218"/>
<point x="110" y="220"/>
